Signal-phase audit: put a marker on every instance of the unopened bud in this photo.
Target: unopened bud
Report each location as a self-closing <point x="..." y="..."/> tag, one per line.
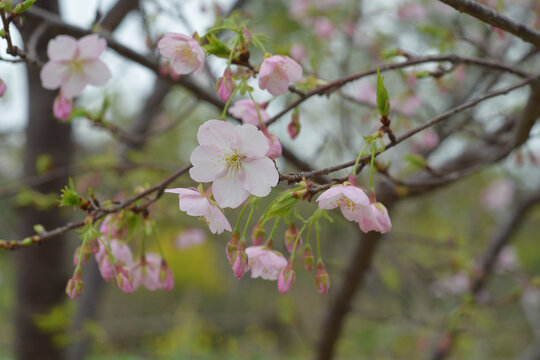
<point x="258" y="234"/>
<point x="322" y="280"/>
<point x="74" y="287"/>
<point x="232" y="245"/>
<point x="286" y="279"/>
<point x="240" y="263"/>
<point x="124" y="280"/>
<point x="308" y="258"/>
<point x="165" y="276"/>
<point x="294" y="126"/>
<point x="225" y="85"/>
<point x="62" y="107"/>
<point x="290" y="237"/>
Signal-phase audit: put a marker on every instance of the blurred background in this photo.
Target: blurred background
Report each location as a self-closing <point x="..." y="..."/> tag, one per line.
<point x="412" y="297"/>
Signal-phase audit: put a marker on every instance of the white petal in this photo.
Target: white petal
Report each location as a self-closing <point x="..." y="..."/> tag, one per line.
<point x="228" y="192"/>
<point x="73" y="84"/>
<point x="357" y="195"/>
<point x="292" y="69"/>
<point x="91" y="46"/>
<point x="251" y="141"/>
<point x="52" y="75"/>
<point x="329" y="199"/>
<point x="207" y="163"/>
<point x="259" y="176"/>
<point x="62" y="47"/>
<point x="216" y="133"/>
<point x="96" y="73"/>
<point x="217" y="221"/>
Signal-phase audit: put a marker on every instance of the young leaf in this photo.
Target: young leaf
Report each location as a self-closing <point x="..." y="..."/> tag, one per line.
<point x="383" y="103"/>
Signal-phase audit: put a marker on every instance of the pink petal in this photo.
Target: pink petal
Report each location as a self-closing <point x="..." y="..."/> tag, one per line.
<point x="357" y="195"/>
<point x="251" y="141"/>
<point x="62" y="48"/>
<point x="259" y="176"/>
<point x="216" y="133"/>
<point x="91" y="46"/>
<point x="96" y="73"/>
<point x="73" y="84"/>
<point x="228" y="192"/>
<point x="52" y="74"/>
<point x="217" y="221"/>
<point x="329" y="199"/>
<point x="292" y="69"/>
<point x="207" y="163"/>
<point x="276" y="83"/>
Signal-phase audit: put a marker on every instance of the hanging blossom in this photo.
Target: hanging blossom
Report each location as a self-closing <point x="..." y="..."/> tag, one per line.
<point x="73" y="64"/>
<point x="196" y="203"/>
<point x="277" y="72"/>
<point x="120" y="267"/>
<point x="185" y="53"/>
<point x="234" y="159"/>
<point x="189" y="238"/>
<point x="264" y="262"/>
<point x="62" y="107"/>
<point x="153" y="273"/>
<point x="356" y="206"/>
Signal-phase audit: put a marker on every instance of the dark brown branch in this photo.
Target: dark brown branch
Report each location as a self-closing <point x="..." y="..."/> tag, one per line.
<point x="493" y="18"/>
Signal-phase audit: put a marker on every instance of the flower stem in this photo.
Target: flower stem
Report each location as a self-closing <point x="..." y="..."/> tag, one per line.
<point x="274" y="228"/>
<point x="319" y="257"/>
<point x="297" y="240"/>
<point x="373" y="151"/>
<point x="226" y="107"/>
<point x="243" y="238"/>
<point x="261" y="124"/>
<point x="358" y="158"/>
<point x="237" y="226"/>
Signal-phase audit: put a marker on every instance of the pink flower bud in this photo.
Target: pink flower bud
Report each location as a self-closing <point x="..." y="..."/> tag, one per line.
<point x="165" y="276"/>
<point x="247" y="36"/>
<point x="232" y="245"/>
<point x="225" y="85"/>
<point x="322" y="280"/>
<point x="298" y="52"/>
<point x="308" y="258"/>
<point x="3" y="87"/>
<point x="285" y="279"/>
<point x="74" y="287"/>
<point x="324" y="28"/>
<point x="62" y="107"/>
<point x="258" y="234"/>
<point x="240" y="263"/>
<point x="290" y="237"/>
<point x="294" y="126"/>
<point x="274" y="146"/>
<point x="86" y="253"/>
<point x="124" y="280"/>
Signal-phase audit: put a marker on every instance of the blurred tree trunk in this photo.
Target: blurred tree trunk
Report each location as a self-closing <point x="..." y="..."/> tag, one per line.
<point x="40" y="272"/>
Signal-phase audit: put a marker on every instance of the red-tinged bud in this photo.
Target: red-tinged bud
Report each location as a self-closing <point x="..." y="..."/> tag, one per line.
<point x="246" y="34"/>
<point x="322" y="280"/>
<point x="290" y="237"/>
<point x="258" y="234"/>
<point x="74" y="287"/>
<point x="286" y="278"/>
<point x="309" y="260"/>
<point x="165" y="276"/>
<point x="225" y="85"/>
<point x="294" y="126"/>
<point x="232" y="245"/>
<point x="240" y="263"/>
<point x="62" y="107"/>
<point x="124" y="280"/>
<point x="3" y="87"/>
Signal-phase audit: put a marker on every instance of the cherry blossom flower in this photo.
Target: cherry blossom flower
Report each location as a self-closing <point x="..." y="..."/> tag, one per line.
<point x="225" y="85"/>
<point x="286" y="279"/>
<point x="124" y="280"/>
<point x="146" y="272"/>
<point x="258" y="234"/>
<point x="376" y="219"/>
<point x="324" y="28"/>
<point x="62" y="107"/>
<point x="277" y="72"/>
<point x="322" y="279"/>
<point x="112" y="228"/>
<point x="234" y="159"/>
<point x="73" y="64"/>
<point x="239" y="262"/>
<point x="165" y="276"/>
<point x="353" y="201"/>
<point x="3" y="87"/>
<point x="309" y="259"/>
<point x="122" y="255"/>
<point x="185" y="53"/>
<point x="274" y="146"/>
<point x="194" y="203"/>
<point x="74" y="287"/>
<point x="245" y="110"/>
<point x="290" y="237"/>
<point x="298" y="52"/>
<point x="190" y="237"/>
<point x="264" y="262"/>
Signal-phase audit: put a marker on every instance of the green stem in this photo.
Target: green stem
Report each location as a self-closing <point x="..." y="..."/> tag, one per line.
<point x="237" y="226"/>
<point x="258" y="43"/>
<point x="220" y="28"/>
<point x="79" y="263"/>
<point x="319" y="257"/>
<point x="234" y="45"/>
<point x="373" y="151"/>
<point x="297" y="240"/>
<point x="224" y="112"/>
<point x="358" y="158"/>
<point x="274" y="228"/>
<point x="243" y="238"/>
<point x="309" y="233"/>
<point x="261" y="124"/>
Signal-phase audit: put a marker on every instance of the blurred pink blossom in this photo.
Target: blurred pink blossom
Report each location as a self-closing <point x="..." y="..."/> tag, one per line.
<point x="264" y="262"/>
<point x="62" y="107"/>
<point x="245" y="110"/>
<point x="507" y="260"/>
<point x="412" y="12"/>
<point x="190" y="237"/>
<point x="498" y="195"/>
<point x="455" y="284"/>
<point x="185" y="53"/>
<point x="277" y="72"/>
<point x="298" y="52"/>
<point x="324" y="28"/>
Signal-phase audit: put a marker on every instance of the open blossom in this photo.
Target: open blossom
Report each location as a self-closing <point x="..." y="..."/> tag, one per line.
<point x="265" y="262"/>
<point x="147" y="273"/>
<point x="245" y="110"/>
<point x="194" y="203"/>
<point x="277" y="72"/>
<point x="376" y="219"/>
<point x="352" y="201"/>
<point x="122" y="254"/>
<point x="73" y="64"/>
<point x="62" y="107"/>
<point x="234" y="158"/>
<point x="185" y="53"/>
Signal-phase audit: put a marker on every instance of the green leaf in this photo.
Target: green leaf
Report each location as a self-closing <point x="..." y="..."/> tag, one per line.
<point x="383" y="103"/>
<point x="69" y="196"/>
<point x="19" y="9"/>
<point x="216" y="47"/>
<point x="416" y="160"/>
